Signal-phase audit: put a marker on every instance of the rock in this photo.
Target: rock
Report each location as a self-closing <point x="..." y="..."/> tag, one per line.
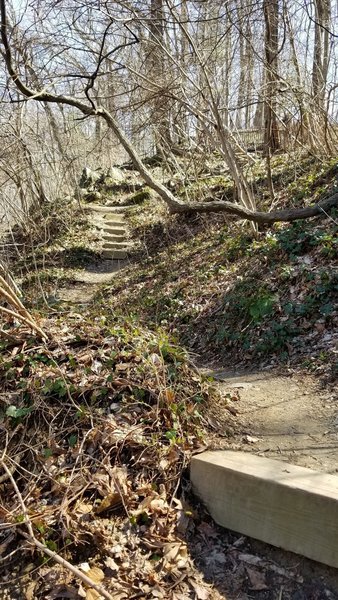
<point x="89" y="178"/>
<point x="92" y="196"/>
<point x="114" y="176"/>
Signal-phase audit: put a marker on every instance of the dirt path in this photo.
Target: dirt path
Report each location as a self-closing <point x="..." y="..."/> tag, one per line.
<point x="289" y="418"/>
<point x="87" y="282"/>
<point x="113" y="244"/>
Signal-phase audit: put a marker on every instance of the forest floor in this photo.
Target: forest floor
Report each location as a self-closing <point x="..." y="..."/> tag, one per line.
<point x="259" y="316"/>
<point x="279" y="413"/>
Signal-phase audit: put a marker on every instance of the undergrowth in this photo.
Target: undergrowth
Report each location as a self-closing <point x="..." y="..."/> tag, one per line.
<point x="98" y="425"/>
<point x="45" y="252"/>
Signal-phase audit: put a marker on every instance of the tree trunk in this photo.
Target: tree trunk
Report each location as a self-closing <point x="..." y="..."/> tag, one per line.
<point x="321" y="51"/>
<point x="161" y="110"/>
<point x="271" y="137"/>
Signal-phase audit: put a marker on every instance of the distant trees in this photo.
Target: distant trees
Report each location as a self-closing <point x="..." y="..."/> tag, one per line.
<point x="172" y="79"/>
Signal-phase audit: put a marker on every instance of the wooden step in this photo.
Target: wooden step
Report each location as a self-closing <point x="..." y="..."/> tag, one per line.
<point x="116" y="245"/>
<point x="114" y="254"/>
<point x="115" y="230"/>
<point x="288" y="506"/>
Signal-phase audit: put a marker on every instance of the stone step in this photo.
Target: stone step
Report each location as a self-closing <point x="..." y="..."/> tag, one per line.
<point x="105" y="218"/>
<point x="105" y="209"/>
<point x="115" y="230"/>
<point x="116" y="245"/>
<point x="114" y="254"/>
<point x="111" y="237"/>
<point x="120" y="209"/>
<point x="119" y="220"/>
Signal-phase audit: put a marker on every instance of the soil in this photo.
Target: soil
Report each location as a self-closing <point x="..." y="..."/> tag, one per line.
<point x="88" y="281"/>
<point x="288" y="417"/>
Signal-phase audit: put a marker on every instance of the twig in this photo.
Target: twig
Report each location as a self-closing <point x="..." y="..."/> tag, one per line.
<point x="329" y="216"/>
<point x="22" y="313"/>
<point x="31" y="538"/>
<point x="20" y="317"/>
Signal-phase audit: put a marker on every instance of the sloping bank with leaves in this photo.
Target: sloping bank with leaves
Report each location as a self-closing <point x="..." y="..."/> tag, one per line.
<point x="97" y="425"/>
<point x="235" y="299"/>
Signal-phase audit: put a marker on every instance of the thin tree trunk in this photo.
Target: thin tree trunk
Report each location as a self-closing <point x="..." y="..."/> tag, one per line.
<point x="271" y="137"/>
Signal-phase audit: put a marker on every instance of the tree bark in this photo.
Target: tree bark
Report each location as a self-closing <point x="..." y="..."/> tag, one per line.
<point x="321" y="51"/>
<point x="271" y="138"/>
<point x="161" y="110"/>
<point x="287" y="215"/>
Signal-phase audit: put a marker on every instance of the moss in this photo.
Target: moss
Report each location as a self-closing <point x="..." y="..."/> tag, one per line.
<point x="218" y="185"/>
<point x="140" y="196"/>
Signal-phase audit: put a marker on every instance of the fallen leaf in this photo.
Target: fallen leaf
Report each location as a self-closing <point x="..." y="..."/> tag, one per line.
<point x="83" y="508"/>
<point x="93" y="594"/>
<point x="62" y="591"/>
<point x="110" y="501"/>
<point x="111" y="564"/>
<point x="122" y="366"/>
<point x="202" y="593"/>
<point x="250" y="559"/>
<point x="157" y="593"/>
<point x="95" y="574"/>
<point x="29" y="592"/>
<point x="257" y="579"/>
<point x="96" y="366"/>
<point x="176" y="553"/>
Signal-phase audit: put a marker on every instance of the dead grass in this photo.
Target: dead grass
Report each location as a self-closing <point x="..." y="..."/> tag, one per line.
<point x="97" y="426"/>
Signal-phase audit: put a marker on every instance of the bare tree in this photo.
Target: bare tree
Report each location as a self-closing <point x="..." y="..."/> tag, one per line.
<point x="118" y="36"/>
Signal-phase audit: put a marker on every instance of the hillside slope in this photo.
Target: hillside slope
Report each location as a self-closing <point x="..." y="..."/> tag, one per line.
<point x="233" y="297"/>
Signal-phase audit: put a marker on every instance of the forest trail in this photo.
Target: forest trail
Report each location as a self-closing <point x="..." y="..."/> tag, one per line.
<point x="114" y="247"/>
<point x="286" y="417"/>
<point x="274" y="414"/>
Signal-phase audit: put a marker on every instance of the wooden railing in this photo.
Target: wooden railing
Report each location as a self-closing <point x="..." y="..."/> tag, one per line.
<point x="249" y="137"/>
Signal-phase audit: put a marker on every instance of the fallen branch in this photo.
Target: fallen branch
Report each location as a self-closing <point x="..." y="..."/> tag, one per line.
<point x="31" y="538"/>
<point x="289" y="214"/>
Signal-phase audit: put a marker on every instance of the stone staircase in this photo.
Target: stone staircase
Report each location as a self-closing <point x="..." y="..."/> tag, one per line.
<point x="110" y="221"/>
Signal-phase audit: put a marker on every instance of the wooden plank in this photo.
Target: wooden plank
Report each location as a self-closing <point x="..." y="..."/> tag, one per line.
<point x="114" y="254"/>
<point x="285" y="505"/>
<point x="106" y="209"/>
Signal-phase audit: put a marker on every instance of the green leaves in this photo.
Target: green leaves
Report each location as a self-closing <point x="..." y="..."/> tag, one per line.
<point x="262" y="305"/>
<point x="57" y="387"/>
<point x="72" y="440"/>
<point x="17" y="413"/>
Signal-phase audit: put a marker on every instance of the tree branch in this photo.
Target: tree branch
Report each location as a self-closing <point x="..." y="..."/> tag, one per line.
<point x="288" y="215"/>
<point x="175" y="205"/>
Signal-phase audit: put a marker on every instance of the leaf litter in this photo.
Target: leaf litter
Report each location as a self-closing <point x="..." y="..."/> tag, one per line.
<point x="97" y="425"/>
